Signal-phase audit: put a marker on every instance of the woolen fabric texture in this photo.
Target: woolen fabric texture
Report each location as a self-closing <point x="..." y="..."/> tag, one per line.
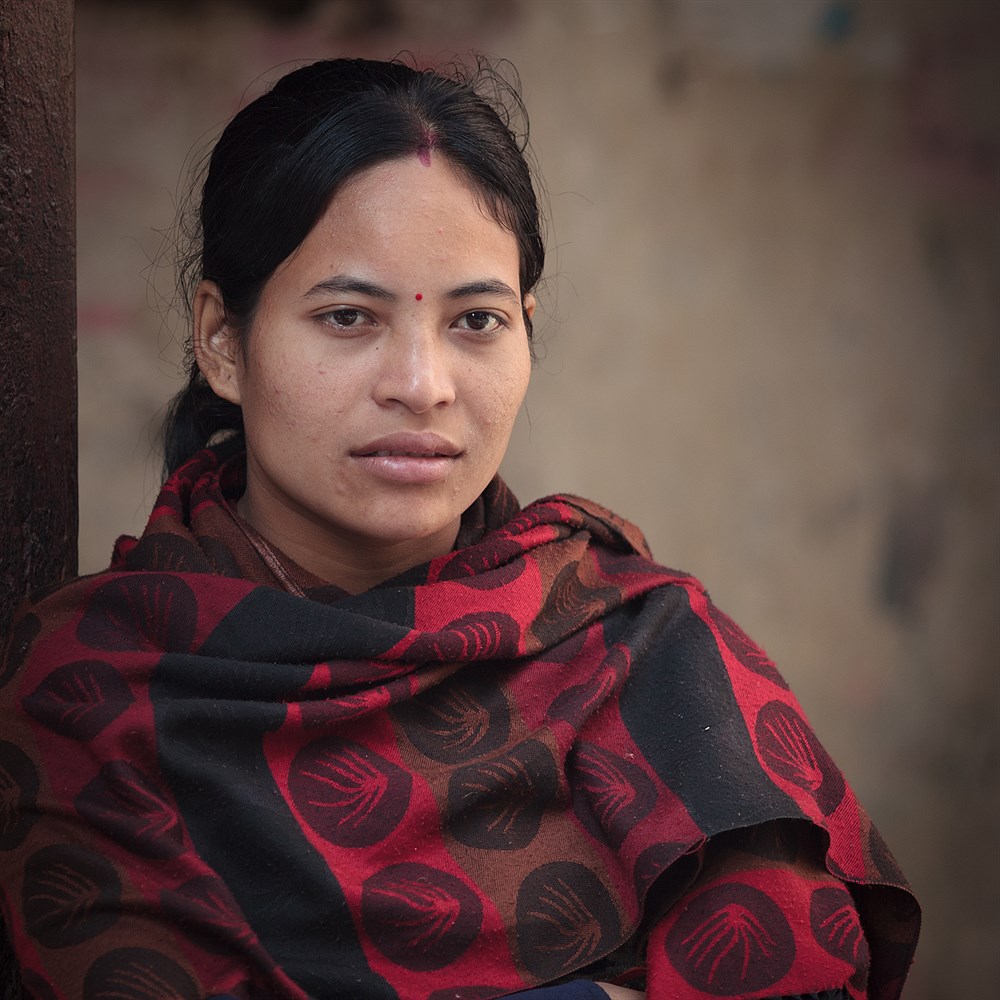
<point x="538" y="758"/>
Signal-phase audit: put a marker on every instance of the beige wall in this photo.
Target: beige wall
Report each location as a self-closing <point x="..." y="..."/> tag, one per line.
<point x="769" y="336"/>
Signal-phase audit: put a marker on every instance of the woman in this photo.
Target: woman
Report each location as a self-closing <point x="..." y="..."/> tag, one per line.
<point x="346" y="721"/>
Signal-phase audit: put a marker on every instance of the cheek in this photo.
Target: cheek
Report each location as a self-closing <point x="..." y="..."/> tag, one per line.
<point x="518" y="378"/>
<point x="265" y="399"/>
<point x="285" y="398"/>
<point x="502" y="396"/>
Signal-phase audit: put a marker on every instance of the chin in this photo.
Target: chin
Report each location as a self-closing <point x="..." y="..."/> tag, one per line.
<point x="407" y="528"/>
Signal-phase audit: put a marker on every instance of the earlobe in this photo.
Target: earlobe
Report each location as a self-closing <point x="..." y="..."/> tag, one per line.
<point x="215" y="346"/>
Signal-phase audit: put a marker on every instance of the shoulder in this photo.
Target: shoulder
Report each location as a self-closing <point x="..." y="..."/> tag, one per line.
<point x="580" y="512"/>
<point x="91" y="623"/>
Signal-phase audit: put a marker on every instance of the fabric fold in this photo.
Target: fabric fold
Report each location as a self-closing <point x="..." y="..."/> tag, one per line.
<point x="502" y="769"/>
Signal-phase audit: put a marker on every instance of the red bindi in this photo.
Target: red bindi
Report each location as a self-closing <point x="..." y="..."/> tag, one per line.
<point x="418" y="296"/>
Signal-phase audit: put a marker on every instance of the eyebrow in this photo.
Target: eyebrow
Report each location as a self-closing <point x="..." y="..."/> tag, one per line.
<point x="339" y="284"/>
<point x="489" y="286"/>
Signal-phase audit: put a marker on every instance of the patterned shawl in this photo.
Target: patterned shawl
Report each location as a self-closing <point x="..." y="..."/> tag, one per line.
<point x="541" y="755"/>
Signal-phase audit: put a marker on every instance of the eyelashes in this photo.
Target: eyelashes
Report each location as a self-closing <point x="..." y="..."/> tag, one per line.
<point x="482" y="322"/>
<point x="346" y="318"/>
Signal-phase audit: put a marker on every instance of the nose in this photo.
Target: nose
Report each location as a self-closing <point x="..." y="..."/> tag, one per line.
<point x="415" y="370"/>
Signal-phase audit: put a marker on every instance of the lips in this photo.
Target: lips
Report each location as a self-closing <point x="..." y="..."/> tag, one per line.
<point x="413" y="459"/>
<point x="412" y="454"/>
<point x="408" y="445"/>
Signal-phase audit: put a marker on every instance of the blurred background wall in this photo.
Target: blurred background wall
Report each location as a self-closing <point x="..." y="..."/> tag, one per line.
<point x="769" y="334"/>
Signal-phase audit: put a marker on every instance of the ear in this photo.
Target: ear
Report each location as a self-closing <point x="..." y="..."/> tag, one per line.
<point x="215" y="346"/>
<point x="529" y="304"/>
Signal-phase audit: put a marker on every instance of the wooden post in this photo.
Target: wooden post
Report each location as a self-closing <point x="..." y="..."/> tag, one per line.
<point x="38" y="496"/>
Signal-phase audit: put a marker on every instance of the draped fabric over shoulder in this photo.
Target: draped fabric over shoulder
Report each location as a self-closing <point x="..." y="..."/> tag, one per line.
<point x="542" y="756"/>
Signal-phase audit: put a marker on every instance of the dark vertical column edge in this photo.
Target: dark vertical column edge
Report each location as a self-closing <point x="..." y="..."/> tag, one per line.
<point x="38" y="452"/>
<point x="38" y="482"/>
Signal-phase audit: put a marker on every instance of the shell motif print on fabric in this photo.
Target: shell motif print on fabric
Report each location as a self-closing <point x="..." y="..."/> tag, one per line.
<point x="522" y="761"/>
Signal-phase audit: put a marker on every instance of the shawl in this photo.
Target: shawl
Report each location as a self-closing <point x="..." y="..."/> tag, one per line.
<point x="541" y="756"/>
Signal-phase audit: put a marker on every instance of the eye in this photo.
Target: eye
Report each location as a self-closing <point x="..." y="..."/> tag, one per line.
<point x="345" y="319"/>
<point x="481" y="321"/>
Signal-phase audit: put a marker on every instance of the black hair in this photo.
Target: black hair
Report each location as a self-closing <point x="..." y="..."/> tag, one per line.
<point x="279" y="162"/>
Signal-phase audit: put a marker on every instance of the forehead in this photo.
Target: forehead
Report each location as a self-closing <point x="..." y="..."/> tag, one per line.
<point x="404" y="218"/>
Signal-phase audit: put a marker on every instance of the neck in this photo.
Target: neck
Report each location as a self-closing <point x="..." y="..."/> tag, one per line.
<point x="355" y="563"/>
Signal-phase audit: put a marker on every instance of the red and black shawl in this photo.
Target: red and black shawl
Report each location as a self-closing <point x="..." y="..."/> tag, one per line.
<point x="540" y="756"/>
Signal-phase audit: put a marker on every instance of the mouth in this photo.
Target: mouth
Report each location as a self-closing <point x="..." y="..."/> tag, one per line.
<point x="409" y="445"/>
<point x="403" y="454"/>
<point x="408" y="458"/>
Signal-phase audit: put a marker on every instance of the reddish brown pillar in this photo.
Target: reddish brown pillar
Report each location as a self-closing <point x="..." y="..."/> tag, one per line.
<point x="38" y="500"/>
<point x="38" y="496"/>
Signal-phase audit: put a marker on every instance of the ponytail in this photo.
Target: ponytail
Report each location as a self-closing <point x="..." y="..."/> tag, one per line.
<point x="194" y="417"/>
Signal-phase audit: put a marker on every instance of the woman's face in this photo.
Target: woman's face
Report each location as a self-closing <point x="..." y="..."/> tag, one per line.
<point x="380" y="379"/>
